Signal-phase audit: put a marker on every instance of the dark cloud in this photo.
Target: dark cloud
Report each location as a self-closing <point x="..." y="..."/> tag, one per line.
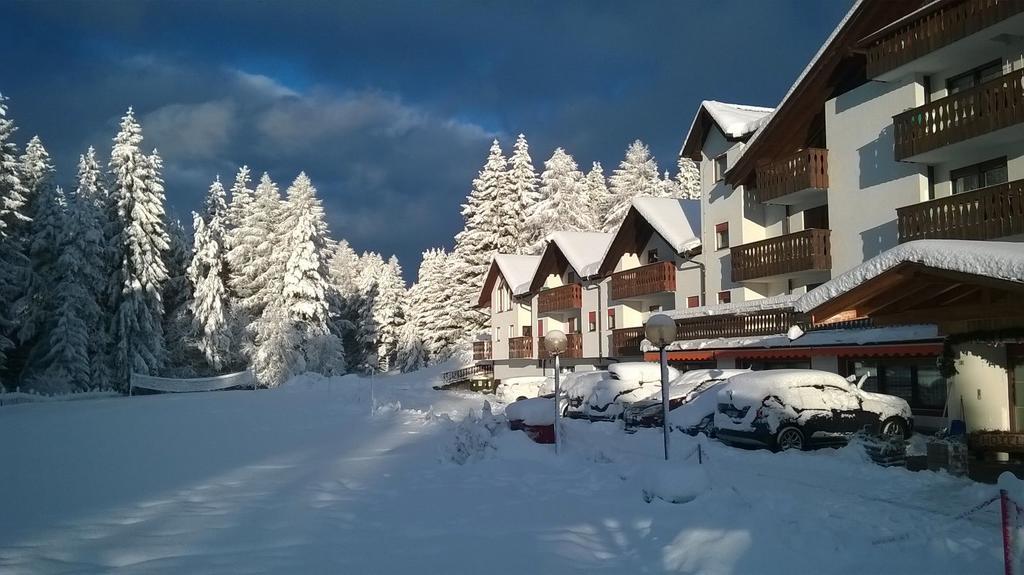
<point x="390" y="106"/>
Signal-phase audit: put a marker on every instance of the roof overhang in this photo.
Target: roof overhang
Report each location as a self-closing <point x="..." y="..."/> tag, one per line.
<point x="552" y="261"/>
<point x="633" y="233"/>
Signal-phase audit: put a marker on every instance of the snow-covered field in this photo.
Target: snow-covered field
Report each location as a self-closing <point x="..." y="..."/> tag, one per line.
<point x="303" y="479"/>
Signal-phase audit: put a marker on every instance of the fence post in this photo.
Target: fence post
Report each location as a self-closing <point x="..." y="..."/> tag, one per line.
<point x="1004" y="504"/>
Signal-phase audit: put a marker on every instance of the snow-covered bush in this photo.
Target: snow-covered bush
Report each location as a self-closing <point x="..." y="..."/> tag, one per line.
<point x="473" y="439"/>
<point x="674" y="483"/>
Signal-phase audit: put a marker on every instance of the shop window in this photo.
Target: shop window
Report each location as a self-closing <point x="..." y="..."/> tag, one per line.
<point x="693" y="301"/>
<point x="916" y="380"/>
<point x="724" y="296"/>
<point x="611" y="319"/>
<point x="592" y="320"/>
<point x="722" y="236"/>
<point x="980" y="175"/>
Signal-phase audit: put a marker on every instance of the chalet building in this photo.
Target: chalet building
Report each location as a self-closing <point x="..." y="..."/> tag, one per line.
<point x="908" y="124"/>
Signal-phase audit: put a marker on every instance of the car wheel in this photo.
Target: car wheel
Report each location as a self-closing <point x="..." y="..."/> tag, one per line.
<point x="789" y="438"/>
<point x="894" y="427"/>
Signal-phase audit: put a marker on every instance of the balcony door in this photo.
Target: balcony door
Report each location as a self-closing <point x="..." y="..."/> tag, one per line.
<point x="816" y="218"/>
<point x="1015" y="374"/>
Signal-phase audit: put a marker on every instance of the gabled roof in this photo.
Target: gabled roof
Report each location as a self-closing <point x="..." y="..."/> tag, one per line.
<point x="582" y="251"/>
<point x="835" y="65"/>
<point x="736" y="121"/>
<point x="517" y="271"/>
<point x="676" y="221"/>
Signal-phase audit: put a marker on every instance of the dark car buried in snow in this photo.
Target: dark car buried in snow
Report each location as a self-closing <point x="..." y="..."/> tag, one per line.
<point x="803" y="408"/>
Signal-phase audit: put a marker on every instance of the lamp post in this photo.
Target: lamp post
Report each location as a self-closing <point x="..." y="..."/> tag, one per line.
<point x="660" y="330"/>
<point x="555" y="343"/>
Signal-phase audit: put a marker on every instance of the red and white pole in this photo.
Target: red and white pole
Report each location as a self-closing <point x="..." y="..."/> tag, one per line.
<point x="1004" y="503"/>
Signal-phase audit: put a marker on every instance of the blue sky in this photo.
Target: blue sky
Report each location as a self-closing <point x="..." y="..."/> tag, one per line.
<point x="390" y="106"/>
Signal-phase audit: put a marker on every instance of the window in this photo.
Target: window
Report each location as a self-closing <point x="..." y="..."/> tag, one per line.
<point x="980" y="175"/>
<point x="693" y="301"/>
<point x="721" y="164"/>
<point x="652" y="256"/>
<point x="611" y="319"/>
<point x="540" y="328"/>
<point x="527" y="331"/>
<point x="974" y="77"/>
<point x="497" y="334"/>
<point x="511" y="331"/>
<point x="916" y="380"/>
<point x="654" y="308"/>
<point x="574" y="325"/>
<point x="571" y="277"/>
<point x="592" y="320"/>
<point x="722" y="236"/>
<point x="724" y="296"/>
<point x="508" y="302"/>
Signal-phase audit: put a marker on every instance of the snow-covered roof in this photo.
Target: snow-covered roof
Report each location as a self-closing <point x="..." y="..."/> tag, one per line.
<point x="740" y="307"/>
<point x="818" y="338"/>
<point x="517" y="271"/>
<point x="583" y="250"/>
<point x="735" y="120"/>
<point x="676" y="220"/>
<point x="1000" y="260"/>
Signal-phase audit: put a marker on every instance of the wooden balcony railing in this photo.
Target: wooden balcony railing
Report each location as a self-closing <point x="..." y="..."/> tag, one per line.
<point x="649" y="279"/>
<point x="804" y="170"/>
<point x="520" y="347"/>
<point x="560" y="298"/>
<point x="574" y="347"/>
<point x="766" y="322"/>
<point x="991" y="106"/>
<point x="467" y="373"/>
<point x="933" y="30"/>
<point x="626" y="341"/>
<point x="804" y="251"/>
<point x="983" y="214"/>
<point x="481" y="350"/>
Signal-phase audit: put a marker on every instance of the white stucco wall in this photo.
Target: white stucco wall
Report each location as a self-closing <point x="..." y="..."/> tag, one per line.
<point x="866" y="183"/>
<point x="981" y="383"/>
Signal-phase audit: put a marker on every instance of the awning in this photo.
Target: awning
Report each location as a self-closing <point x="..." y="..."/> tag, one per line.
<point x="929" y="349"/>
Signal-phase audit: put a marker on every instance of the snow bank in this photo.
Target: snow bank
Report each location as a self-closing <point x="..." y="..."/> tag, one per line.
<point x="1001" y="260"/>
<point x="674" y="483"/>
<point x="16" y="397"/>
<point x="534" y="411"/>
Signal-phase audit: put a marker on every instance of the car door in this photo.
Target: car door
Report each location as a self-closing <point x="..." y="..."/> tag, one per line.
<point x="846" y="408"/>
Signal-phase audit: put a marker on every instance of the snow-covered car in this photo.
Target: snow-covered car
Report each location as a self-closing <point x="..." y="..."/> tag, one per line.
<point x="603" y="398"/>
<point x="515" y="388"/>
<point x="801" y="408"/>
<point x="576" y="389"/>
<point x="692" y="402"/>
<point x="535" y="416"/>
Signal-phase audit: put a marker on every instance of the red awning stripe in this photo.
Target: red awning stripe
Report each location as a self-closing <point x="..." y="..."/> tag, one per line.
<point x="881" y="350"/>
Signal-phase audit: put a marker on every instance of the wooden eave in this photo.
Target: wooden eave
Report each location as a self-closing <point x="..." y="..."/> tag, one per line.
<point x="794" y="125"/>
<point x="913" y="293"/>
<point x="552" y="261"/>
<point x="694" y="144"/>
<point x="633" y="233"/>
<point x="493" y="272"/>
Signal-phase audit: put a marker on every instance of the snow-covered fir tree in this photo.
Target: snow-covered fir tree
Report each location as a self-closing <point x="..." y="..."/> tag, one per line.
<point x="668" y="187"/>
<point x="255" y="260"/>
<point x="13" y="263"/>
<point x="563" y="204"/>
<point x="183" y="357"/>
<point x="431" y="304"/>
<point x="344" y="298"/>
<point x="241" y="196"/>
<point x="364" y="352"/>
<point x="66" y="353"/>
<point x="637" y="175"/>
<point x="207" y="272"/>
<point x="522" y="181"/>
<point x="389" y="312"/>
<point x="688" y="179"/>
<point x="597" y="192"/>
<point x="34" y="306"/>
<point x="137" y="187"/>
<point x="412" y="353"/>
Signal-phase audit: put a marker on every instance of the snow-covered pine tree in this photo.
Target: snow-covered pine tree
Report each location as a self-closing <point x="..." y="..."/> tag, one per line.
<point x="598" y="197"/>
<point x="241" y="196"/>
<point x="411" y="354"/>
<point x="344" y="298"/>
<point x="138" y="190"/>
<point x="637" y="175"/>
<point x="183" y="356"/>
<point x="206" y="273"/>
<point x="668" y="187"/>
<point x="688" y="179"/>
<point x="13" y="264"/>
<point x="364" y="352"/>
<point x="522" y="182"/>
<point x="389" y="313"/>
<point x="431" y="301"/>
<point x="563" y="204"/>
<point x="93" y="210"/>
<point x="34" y="306"/>
<point x="256" y="260"/>
<point x="66" y="350"/>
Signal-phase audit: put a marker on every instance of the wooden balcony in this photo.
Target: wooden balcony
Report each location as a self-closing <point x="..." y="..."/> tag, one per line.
<point x="520" y="347"/>
<point x="574" y="347"/>
<point x="560" y="298"/>
<point x="991" y="106"/>
<point x="645" y="280"/>
<point x="785" y="256"/>
<point x="983" y="214"/>
<point x="791" y="179"/>
<point x="481" y="350"/>
<point x="933" y="30"/>
<point x="766" y="322"/>
<point x="626" y="341"/>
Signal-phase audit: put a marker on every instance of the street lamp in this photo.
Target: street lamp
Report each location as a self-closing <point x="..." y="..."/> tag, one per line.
<point x="660" y="330"/>
<point x="556" y="343"/>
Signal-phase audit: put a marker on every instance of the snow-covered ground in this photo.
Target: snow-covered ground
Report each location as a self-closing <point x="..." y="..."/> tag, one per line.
<point x="303" y="479"/>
